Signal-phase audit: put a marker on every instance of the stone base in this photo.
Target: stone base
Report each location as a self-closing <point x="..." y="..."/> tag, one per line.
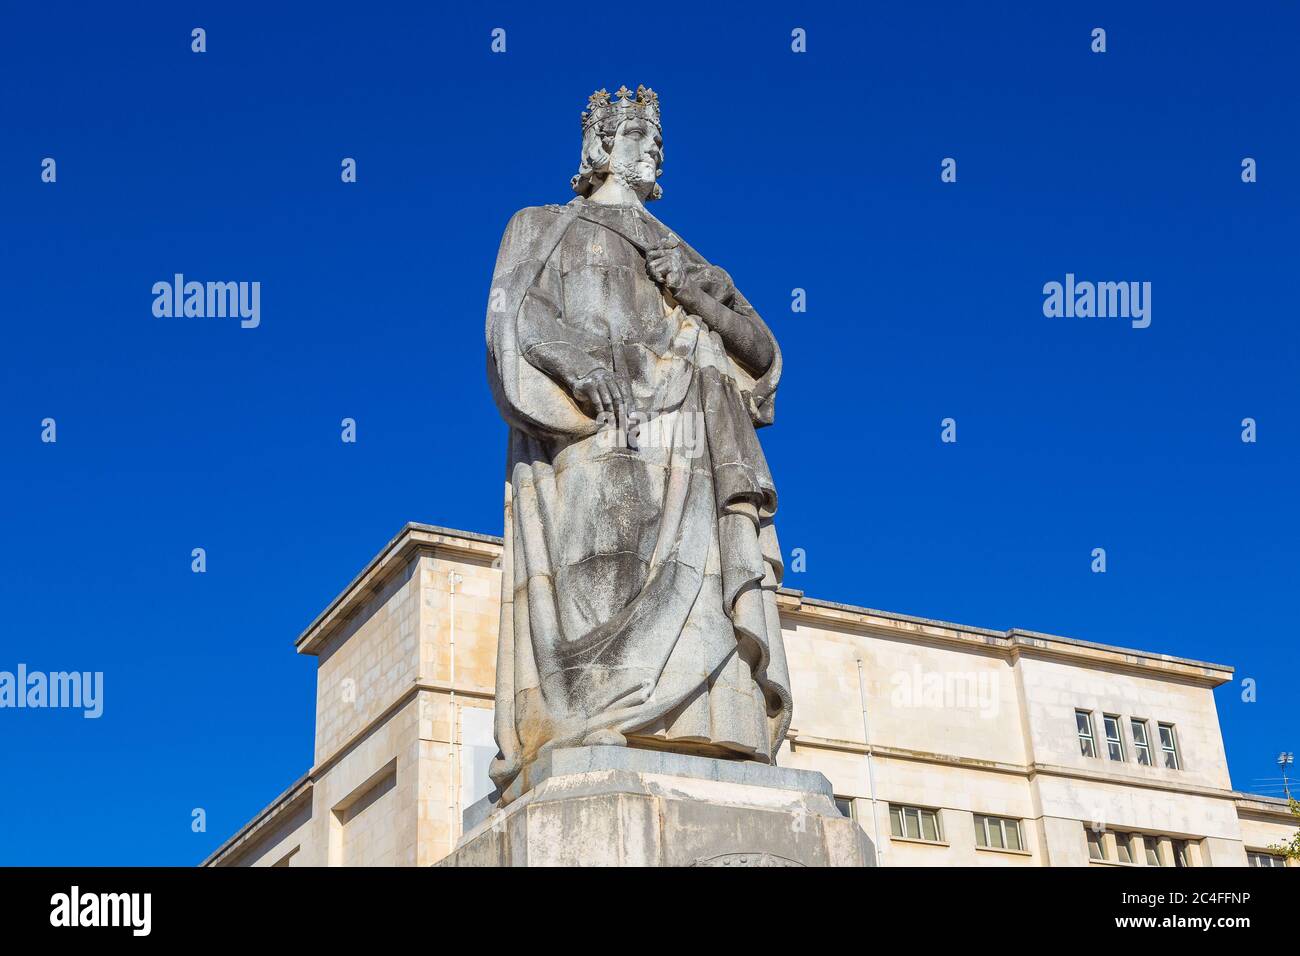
<point x="618" y="806"/>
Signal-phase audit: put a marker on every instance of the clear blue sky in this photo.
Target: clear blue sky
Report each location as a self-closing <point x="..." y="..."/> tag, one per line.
<point x="818" y="171"/>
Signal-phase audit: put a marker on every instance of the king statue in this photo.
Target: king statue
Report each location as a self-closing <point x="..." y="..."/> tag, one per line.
<point x="641" y="564"/>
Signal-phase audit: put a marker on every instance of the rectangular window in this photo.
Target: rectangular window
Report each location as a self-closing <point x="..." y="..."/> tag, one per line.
<point x="1264" y="859"/>
<point x="998" y="833"/>
<point x="1169" y="746"/>
<point x="1124" y="847"/>
<point x="914" y="823"/>
<point x="1114" y="741"/>
<point x="1182" y="856"/>
<point x="1096" y="845"/>
<point x="1083" y="720"/>
<point x="1140" y="742"/>
<point x="845" y="806"/>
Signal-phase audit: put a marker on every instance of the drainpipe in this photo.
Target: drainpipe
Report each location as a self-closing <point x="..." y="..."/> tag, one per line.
<point x="871" y="773"/>
<point x="453" y="579"/>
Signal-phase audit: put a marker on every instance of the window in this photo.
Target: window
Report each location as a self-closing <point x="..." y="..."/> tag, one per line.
<point x="1153" y="852"/>
<point x="1114" y="742"/>
<point x="1124" y="847"/>
<point x="1083" y="720"/>
<point x="1140" y="742"/>
<point x="998" y="833"/>
<point x="1129" y="851"/>
<point x="914" y="823"/>
<point x="845" y="806"/>
<point x="1096" y="846"/>
<point x="1257" y="858"/>
<point x="1169" y="746"/>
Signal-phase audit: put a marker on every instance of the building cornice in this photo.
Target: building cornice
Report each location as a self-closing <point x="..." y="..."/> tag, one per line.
<point x="413" y="539"/>
<point x="468" y="545"/>
<point x="1009" y="644"/>
<point x="1270" y="809"/>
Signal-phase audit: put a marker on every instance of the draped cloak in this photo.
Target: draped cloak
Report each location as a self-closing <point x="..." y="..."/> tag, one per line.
<point x="639" y="579"/>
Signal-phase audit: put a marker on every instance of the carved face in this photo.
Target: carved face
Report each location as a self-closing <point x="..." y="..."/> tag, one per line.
<point x="637" y="155"/>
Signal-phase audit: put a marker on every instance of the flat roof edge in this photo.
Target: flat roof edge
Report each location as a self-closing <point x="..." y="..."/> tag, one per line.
<point x="311" y="636"/>
<point x="290" y="794"/>
<point x="1011" y="635"/>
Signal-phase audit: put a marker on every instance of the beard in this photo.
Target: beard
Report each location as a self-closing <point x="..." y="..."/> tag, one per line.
<point x="632" y="176"/>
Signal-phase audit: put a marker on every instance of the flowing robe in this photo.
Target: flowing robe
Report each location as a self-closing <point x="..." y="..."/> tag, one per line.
<point x="638" y="591"/>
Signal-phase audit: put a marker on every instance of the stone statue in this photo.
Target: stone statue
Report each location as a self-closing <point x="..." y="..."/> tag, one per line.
<point x="638" y="593"/>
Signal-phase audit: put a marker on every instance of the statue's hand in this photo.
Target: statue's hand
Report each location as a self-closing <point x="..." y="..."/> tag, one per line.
<point x="667" y="265"/>
<point x="602" y="393"/>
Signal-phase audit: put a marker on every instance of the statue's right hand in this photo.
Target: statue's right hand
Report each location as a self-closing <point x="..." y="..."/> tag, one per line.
<point x="601" y="392"/>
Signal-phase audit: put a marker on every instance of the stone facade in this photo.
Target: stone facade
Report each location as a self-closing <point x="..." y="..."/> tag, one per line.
<point x="928" y="732"/>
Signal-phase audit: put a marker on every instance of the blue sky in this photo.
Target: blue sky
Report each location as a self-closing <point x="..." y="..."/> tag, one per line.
<point x="818" y="171"/>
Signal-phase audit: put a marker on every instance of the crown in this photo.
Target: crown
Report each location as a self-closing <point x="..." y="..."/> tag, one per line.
<point x="601" y="110"/>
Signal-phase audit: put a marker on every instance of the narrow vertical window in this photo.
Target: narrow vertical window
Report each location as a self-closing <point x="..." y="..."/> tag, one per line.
<point x="896" y="821"/>
<point x="930" y="825"/>
<point x="1124" y="847"/>
<point x="1169" y="746"/>
<point x="912" y="822"/>
<point x="1114" y="741"/>
<point x="1083" y="720"/>
<point x="995" y="834"/>
<point x="1140" y="742"/>
<point x="1012" y="828"/>
<point x="1096" y="847"/>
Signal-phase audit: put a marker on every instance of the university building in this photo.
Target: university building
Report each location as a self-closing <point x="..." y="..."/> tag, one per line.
<point x="948" y="744"/>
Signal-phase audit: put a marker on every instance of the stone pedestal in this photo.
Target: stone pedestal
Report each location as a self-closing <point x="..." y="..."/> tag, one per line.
<point x="618" y="806"/>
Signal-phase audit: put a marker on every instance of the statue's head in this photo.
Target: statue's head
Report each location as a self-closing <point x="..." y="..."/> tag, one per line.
<point x="621" y="138"/>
